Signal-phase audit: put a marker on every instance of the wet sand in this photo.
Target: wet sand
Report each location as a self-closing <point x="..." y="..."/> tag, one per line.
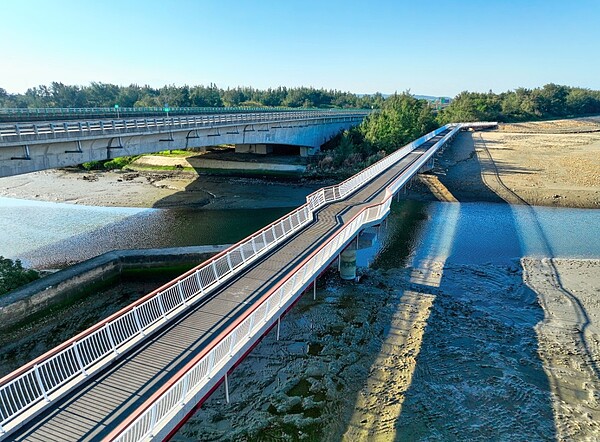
<point x="472" y="358"/>
<point x="155" y="189"/>
<point x="569" y="341"/>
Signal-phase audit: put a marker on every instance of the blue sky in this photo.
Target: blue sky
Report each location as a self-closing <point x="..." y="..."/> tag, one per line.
<point x="426" y="46"/>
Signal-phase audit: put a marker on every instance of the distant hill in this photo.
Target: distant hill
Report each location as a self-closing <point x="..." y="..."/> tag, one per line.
<point x="428" y="97"/>
<point x="418" y="97"/>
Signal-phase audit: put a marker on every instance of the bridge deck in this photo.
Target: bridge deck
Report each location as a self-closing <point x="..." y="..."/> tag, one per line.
<point x="96" y="407"/>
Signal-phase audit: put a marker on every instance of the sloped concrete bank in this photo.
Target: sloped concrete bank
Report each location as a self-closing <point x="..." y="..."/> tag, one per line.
<point x="68" y="284"/>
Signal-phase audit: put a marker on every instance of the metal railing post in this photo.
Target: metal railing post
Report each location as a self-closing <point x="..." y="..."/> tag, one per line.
<point x="180" y="290"/>
<point x="184" y="390"/>
<point x="161" y="306"/>
<point x="110" y="338"/>
<point x="232" y="345"/>
<point x="36" y="369"/>
<point x="136" y="316"/>
<point x="198" y="279"/>
<point x="78" y="358"/>
<point x="214" y="267"/>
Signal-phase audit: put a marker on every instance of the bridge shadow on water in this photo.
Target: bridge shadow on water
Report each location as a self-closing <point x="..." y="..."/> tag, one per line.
<point x="461" y="357"/>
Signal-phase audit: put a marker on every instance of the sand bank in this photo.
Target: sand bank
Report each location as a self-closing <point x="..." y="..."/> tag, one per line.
<point x="520" y="164"/>
<point x="154" y="189"/>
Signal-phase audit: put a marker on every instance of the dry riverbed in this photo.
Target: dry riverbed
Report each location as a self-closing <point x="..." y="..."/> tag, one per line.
<point x="542" y="163"/>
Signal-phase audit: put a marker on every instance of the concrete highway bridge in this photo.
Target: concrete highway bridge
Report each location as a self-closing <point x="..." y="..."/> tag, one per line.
<point x="140" y="373"/>
<point x="30" y="146"/>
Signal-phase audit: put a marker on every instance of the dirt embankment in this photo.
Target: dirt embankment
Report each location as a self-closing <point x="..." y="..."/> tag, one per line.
<point x="544" y="163"/>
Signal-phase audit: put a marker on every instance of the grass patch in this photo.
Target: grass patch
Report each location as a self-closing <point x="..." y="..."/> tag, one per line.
<point x="115" y="163"/>
<point x="120" y="162"/>
<point x="174" y="153"/>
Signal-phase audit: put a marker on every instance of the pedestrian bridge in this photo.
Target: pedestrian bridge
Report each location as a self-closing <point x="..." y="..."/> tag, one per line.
<point x="28" y="147"/>
<point x="140" y="373"/>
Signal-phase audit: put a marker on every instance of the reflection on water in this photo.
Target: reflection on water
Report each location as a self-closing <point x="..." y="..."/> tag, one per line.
<point x="50" y="235"/>
<point x="477" y="233"/>
<point x="28" y="225"/>
<point x="47" y="234"/>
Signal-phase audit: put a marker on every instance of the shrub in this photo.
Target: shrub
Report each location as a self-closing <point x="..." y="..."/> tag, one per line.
<point x="92" y="165"/>
<point x="13" y="275"/>
<point x="120" y="163"/>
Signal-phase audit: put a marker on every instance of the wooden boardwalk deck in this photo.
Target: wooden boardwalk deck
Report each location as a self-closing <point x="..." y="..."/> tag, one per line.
<point x="92" y="410"/>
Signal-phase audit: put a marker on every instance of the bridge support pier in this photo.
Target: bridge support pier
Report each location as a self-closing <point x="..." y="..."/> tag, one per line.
<point x="261" y="149"/>
<point x="278" y="327"/>
<point x="348" y="262"/>
<point x="226" y="388"/>
<point x="315" y="289"/>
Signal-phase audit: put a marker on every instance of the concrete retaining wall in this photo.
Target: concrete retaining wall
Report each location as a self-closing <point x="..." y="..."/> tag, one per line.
<point x="58" y="287"/>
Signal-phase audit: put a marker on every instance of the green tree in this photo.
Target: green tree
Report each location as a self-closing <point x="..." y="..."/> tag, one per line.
<point x="583" y="101"/>
<point x="472" y="106"/>
<point x="101" y="94"/>
<point x="13" y="275"/>
<point x="401" y="119"/>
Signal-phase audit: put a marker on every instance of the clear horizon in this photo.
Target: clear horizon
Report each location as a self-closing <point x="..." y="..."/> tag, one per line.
<point x="387" y="47"/>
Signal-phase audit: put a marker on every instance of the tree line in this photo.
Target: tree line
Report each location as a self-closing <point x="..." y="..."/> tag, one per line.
<point x="403" y="118"/>
<point x="107" y="95"/>
<point x="547" y="102"/>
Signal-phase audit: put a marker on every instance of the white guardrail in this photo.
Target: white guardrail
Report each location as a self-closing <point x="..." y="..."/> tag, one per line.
<point x="184" y="386"/>
<point x="31" y="388"/>
<point x="60" y="130"/>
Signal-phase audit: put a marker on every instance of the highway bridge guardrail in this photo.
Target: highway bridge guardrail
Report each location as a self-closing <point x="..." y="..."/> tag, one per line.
<point x="53" y="113"/>
<point x="32" y="133"/>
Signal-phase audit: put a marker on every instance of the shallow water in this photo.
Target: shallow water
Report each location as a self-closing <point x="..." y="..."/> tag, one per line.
<point x="50" y="235"/>
<point x="482" y="233"/>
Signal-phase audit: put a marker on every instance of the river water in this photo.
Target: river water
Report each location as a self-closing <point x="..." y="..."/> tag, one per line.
<point x="52" y="235"/>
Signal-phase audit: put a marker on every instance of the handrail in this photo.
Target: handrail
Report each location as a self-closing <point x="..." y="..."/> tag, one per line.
<point x="73" y="360"/>
<point x="70" y="111"/>
<point x="43" y="131"/>
<point x="189" y="380"/>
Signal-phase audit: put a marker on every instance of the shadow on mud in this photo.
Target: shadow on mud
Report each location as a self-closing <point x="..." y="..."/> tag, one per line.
<point x="477" y="373"/>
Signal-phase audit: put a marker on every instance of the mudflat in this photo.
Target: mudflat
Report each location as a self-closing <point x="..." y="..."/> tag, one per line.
<point x="158" y="189"/>
<point x="438" y="350"/>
